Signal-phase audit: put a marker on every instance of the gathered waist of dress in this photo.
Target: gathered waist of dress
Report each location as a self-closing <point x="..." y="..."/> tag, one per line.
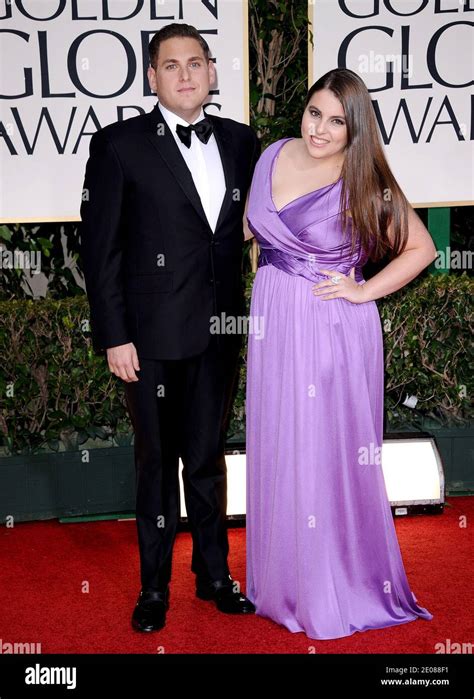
<point x="306" y="266"/>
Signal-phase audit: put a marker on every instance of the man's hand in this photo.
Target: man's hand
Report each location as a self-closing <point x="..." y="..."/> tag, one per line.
<point x="123" y="361"/>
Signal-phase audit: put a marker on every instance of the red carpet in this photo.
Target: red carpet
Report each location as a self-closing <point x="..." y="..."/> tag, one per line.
<point x="47" y="565"/>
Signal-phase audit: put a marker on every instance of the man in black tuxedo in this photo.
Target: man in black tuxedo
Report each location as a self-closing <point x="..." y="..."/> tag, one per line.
<point x="162" y="240"/>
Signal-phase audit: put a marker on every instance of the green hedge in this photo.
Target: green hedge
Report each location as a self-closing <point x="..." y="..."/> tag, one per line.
<point x="58" y="395"/>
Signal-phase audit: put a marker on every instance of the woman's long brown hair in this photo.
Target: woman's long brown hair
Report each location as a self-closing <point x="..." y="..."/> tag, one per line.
<point x="373" y="196"/>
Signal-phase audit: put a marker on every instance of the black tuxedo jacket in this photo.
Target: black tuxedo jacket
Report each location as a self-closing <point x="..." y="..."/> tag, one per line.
<point x="155" y="272"/>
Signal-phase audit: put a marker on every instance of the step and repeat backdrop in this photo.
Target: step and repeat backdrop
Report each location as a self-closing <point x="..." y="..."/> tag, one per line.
<point x="417" y="58"/>
<point x="70" y="67"/>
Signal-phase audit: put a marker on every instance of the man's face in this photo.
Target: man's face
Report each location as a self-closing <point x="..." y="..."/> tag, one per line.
<point x="182" y="77"/>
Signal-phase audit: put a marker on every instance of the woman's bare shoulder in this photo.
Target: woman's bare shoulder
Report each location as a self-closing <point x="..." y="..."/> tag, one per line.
<point x="292" y="148"/>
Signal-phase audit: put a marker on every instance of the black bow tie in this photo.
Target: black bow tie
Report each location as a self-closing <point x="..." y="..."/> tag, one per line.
<point x="203" y="131"/>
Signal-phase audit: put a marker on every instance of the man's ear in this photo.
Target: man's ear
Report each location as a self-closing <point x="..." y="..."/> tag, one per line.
<point x="212" y="74"/>
<point x="151" y="78"/>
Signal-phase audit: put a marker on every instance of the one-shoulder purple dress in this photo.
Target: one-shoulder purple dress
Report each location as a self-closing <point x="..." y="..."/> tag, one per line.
<point x="322" y="551"/>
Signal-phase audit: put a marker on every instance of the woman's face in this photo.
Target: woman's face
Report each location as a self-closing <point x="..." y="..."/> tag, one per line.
<point x="323" y="126"/>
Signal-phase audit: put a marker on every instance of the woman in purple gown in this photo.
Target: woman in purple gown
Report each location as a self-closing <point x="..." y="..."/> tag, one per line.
<point x="322" y="551"/>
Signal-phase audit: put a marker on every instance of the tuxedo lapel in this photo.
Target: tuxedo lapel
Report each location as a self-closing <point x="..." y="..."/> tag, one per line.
<point x="162" y="139"/>
<point x="225" y="145"/>
<point x="159" y="134"/>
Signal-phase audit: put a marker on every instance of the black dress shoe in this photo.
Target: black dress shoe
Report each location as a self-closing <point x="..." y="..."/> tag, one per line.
<point x="223" y="594"/>
<point x="150" y="611"/>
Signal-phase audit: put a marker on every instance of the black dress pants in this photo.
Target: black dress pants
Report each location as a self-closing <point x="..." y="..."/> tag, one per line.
<point x="181" y="408"/>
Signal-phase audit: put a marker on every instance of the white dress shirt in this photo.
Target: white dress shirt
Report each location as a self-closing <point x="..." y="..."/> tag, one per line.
<point x="204" y="163"/>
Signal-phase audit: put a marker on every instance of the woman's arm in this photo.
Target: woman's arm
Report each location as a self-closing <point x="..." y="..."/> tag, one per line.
<point x="418" y="254"/>
<point x="247" y="232"/>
